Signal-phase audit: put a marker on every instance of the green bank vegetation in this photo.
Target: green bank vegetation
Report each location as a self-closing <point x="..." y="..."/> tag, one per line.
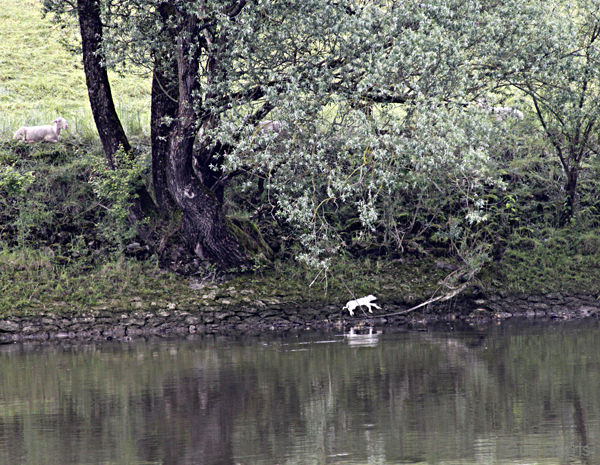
<point x="475" y="198"/>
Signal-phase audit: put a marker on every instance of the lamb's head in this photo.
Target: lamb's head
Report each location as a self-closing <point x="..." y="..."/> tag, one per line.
<point x="61" y="123"/>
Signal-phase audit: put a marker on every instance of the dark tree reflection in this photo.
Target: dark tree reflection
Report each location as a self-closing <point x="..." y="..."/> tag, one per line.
<point x="495" y="393"/>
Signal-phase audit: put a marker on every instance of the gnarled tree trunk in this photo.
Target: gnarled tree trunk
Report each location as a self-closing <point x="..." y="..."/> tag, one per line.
<point x="164" y="108"/>
<point x="205" y="226"/>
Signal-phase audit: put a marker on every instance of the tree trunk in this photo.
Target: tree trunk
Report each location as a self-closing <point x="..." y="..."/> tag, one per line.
<point x="205" y="227"/>
<point x="165" y="103"/>
<point x="108" y="124"/>
<point x="570" y="192"/>
<point x="111" y="132"/>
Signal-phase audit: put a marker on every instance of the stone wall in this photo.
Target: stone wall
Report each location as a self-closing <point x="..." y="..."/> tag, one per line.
<point x="105" y="324"/>
<point x="119" y="325"/>
<point x="553" y="305"/>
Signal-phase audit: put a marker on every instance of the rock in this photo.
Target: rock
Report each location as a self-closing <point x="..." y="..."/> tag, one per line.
<point x="30" y="328"/>
<point x="261" y="312"/>
<point x="502" y="315"/>
<point x="496" y="307"/>
<point x="193" y="320"/>
<point x="132" y="322"/>
<point x="7" y="326"/>
<point x="135" y="331"/>
<point x="115" y="331"/>
<point x="587" y="311"/>
<point x="223" y="315"/>
<point x="480" y="313"/>
<point x="554" y="296"/>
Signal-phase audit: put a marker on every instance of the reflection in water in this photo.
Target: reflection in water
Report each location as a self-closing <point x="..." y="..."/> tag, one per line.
<point x="493" y="395"/>
<point x="363" y="338"/>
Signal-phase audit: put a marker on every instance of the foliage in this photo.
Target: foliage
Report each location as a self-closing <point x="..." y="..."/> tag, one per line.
<point x="558" y="71"/>
<point x="385" y="133"/>
<point x="14" y="183"/>
<point x="13" y="188"/>
<point x="116" y="189"/>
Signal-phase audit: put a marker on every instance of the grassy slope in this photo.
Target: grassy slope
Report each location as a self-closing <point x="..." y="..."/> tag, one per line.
<point x="40" y="80"/>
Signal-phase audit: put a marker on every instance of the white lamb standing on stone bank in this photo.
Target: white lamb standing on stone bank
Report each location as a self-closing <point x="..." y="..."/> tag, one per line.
<point x="46" y="133"/>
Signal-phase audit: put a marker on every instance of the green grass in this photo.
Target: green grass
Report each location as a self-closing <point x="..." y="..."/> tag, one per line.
<point x="40" y="80"/>
<point x="40" y="232"/>
<point x="32" y="281"/>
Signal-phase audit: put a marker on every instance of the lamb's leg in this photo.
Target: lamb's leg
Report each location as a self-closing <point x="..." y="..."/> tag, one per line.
<point x="53" y="135"/>
<point x="371" y="305"/>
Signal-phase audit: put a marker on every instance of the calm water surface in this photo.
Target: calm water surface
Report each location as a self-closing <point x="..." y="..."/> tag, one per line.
<point x="505" y="394"/>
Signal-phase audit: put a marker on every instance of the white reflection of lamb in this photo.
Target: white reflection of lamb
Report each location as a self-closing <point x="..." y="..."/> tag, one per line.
<point x="357" y="339"/>
<point x="46" y="133"/>
<point x="363" y="301"/>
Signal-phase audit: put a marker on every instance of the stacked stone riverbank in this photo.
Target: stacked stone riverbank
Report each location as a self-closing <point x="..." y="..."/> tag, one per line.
<point x="251" y="315"/>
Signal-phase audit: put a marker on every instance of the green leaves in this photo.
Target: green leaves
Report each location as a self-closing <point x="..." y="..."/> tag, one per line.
<point x="13" y="182"/>
<point x="379" y="112"/>
<point x="560" y="77"/>
<point x="117" y="188"/>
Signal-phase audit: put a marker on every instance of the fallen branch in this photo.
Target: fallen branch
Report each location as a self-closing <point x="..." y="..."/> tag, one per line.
<point x="441" y="298"/>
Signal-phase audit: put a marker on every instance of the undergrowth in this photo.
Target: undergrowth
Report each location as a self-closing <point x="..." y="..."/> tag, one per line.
<point x="554" y="260"/>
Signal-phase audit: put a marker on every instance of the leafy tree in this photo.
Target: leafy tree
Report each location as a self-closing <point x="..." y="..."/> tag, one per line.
<point x="376" y="132"/>
<point x="111" y="132"/>
<point x="556" y="65"/>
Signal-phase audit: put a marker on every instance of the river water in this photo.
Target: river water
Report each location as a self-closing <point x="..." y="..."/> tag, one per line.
<point x="514" y="393"/>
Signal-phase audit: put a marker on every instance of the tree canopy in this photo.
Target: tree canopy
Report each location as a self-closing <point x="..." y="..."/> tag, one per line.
<point x="355" y="120"/>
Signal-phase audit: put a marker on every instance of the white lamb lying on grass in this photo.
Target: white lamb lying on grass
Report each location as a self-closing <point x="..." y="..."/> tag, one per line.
<point x="46" y="133"/>
<point x="363" y="301"/>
